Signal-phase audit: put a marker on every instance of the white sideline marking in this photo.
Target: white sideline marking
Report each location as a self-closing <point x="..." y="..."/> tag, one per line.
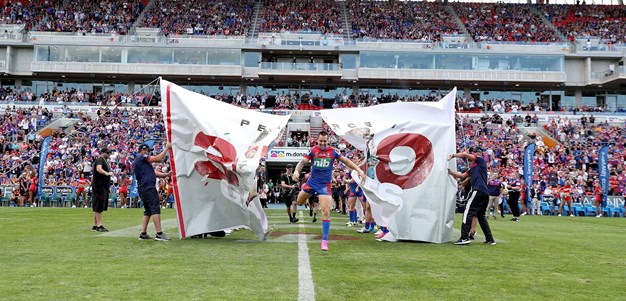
<point x="306" y="289"/>
<point x="166" y="224"/>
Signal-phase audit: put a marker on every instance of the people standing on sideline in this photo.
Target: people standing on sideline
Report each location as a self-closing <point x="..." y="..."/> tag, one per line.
<point x="288" y="192"/>
<point x="566" y="198"/>
<point x="100" y="188"/>
<point x="146" y="186"/>
<point x="81" y="190"/>
<point x="514" y="195"/>
<point x="495" y="192"/>
<point x="263" y="192"/>
<point x="124" y="182"/>
<point x="322" y="157"/>
<point x="479" y="196"/>
<point x="32" y="189"/>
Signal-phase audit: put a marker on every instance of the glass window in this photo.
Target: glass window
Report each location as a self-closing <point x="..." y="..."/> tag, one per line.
<point x="621" y="102"/>
<point x="453" y="61"/>
<point x="190" y="56"/>
<point x="81" y="54"/>
<point x="42" y="53"/>
<point x="149" y="55"/>
<point x="348" y="61"/>
<point x="111" y="55"/>
<point x="540" y="63"/>
<point x="377" y="60"/>
<point x="251" y="59"/>
<point x="224" y="57"/>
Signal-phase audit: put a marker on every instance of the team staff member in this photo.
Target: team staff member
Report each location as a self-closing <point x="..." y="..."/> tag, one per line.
<point x="100" y="186"/>
<point x="289" y="194"/>
<point x="146" y="186"/>
<point x="323" y="157"/>
<point x="478" y="198"/>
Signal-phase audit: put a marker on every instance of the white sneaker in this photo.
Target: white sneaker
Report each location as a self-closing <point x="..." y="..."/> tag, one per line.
<point x="559" y="214"/>
<point x="73" y="206"/>
<point x="378" y="232"/>
<point x="388" y="237"/>
<point x="571" y="215"/>
<point x="599" y="215"/>
<point x="85" y="206"/>
<point x="524" y="213"/>
<point x="363" y="230"/>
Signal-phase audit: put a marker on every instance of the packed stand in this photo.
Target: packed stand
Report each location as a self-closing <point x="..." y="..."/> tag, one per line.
<point x="220" y="17"/>
<point x="110" y="16"/>
<point x="16" y="12"/>
<point x="120" y="130"/>
<point x="301" y="15"/>
<point x="603" y="21"/>
<point x="20" y="150"/>
<point x="498" y="22"/>
<point x="400" y="20"/>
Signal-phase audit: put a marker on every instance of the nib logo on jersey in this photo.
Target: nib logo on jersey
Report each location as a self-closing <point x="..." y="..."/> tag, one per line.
<point x="216" y="166"/>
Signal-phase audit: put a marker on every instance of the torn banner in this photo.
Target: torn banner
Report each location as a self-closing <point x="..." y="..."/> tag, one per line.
<point x="406" y="145"/>
<point x="216" y="149"/>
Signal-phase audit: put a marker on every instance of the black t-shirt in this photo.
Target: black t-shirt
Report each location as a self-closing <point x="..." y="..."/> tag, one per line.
<point x="288" y="180"/>
<point x="100" y="180"/>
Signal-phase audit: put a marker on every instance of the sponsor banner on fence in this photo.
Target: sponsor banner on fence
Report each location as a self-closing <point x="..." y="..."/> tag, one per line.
<point x="286" y="154"/>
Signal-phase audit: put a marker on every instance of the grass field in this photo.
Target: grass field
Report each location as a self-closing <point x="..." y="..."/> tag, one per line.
<point x="52" y="254"/>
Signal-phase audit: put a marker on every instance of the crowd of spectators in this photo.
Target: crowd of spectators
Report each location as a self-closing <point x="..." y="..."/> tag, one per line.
<point x="179" y="17"/>
<point x="71" y="152"/>
<point x="74" y="96"/>
<point x="400" y="20"/>
<point x="109" y="16"/>
<point x="603" y="21"/>
<point x="499" y="22"/>
<point x="29" y="14"/>
<point x="301" y="15"/>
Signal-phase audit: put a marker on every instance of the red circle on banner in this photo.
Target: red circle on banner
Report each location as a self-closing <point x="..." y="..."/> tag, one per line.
<point x="423" y="165"/>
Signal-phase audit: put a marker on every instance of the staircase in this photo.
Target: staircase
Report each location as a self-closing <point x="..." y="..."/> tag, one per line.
<point x="254" y="26"/>
<point x="140" y="18"/>
<point x="459" y="24"/>
<point x="347" y="25"/>
<point x="547" y="22"/>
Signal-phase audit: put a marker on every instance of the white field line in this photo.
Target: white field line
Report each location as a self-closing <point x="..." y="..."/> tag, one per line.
<point x="306" y="289"/>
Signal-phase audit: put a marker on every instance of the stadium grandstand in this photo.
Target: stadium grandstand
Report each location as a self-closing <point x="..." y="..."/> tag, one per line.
<point x="84" y="73"/>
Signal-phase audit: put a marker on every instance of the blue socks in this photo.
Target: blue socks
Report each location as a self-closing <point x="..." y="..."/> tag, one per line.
<point x="325" y="229"/>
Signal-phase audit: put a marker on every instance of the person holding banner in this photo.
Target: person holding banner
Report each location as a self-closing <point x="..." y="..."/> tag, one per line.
<point x="323" y="157"/>
<point x="100" y="187"/>
<point x="146" y="182"/>
<point x="478" y="198"/>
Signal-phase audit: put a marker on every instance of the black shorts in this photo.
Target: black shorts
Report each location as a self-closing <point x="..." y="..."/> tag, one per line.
<point x="288" y="199"/>
<point x="151" y="203"/>
<point x="100" y="200"/>
<point x="314" y="199"/>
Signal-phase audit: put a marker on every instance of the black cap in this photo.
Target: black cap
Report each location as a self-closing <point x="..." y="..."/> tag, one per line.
<point x="289" y="166"/>
<point x="105" y="150"/>
<point x="144" y="146"/>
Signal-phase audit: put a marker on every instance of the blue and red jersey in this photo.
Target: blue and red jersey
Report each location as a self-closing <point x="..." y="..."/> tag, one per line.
<point x="322" y="162"/>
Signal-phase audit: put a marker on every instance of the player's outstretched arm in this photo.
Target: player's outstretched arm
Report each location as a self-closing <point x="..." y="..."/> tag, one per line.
<point x="296" y="173"/>
<point x="352" y="166"/>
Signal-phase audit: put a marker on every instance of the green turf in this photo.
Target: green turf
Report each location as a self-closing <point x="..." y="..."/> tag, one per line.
<point x="51" y="254"/>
